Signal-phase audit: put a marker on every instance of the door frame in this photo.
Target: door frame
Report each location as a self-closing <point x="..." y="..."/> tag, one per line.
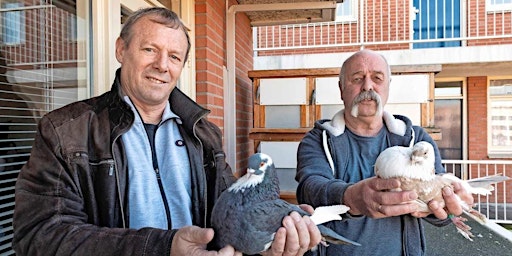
<point x="464" y="113"/>
<point x="106" y="26"/>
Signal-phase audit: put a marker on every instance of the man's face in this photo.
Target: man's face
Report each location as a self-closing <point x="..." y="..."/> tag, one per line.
<point x="152" y="62"/>
<point x="366" y="85"/>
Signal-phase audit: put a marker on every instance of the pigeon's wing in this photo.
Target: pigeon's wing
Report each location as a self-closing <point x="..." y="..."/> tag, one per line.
<point x="258" y="223"/>
<point x="478" y="186"/>
<point x="325" y="214"/>
<point x="483" y="185"/>
<point x="226" y="219"/>
<point x="268" y="215"/>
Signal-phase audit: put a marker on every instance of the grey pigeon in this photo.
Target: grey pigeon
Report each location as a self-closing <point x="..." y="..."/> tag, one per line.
<point x="415" y="168"/>
<point x="247" y="215"/>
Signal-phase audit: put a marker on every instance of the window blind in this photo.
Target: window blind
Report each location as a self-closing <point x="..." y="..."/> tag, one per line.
<point x="42" y="67"/>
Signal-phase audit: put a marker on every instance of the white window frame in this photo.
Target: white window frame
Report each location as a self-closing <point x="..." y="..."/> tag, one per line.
<point x="490" y="7"/>
<point x="497" y="151"/>
<point x="352" y="16"/>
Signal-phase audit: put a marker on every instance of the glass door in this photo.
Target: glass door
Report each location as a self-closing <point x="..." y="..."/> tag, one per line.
<point x="435" y="20"/>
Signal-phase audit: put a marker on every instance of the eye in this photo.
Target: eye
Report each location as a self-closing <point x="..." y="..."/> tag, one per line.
<point x="357" y="80"/>
<point x="148" y="49"/>
<point x="262" y="164"/>
<point x="174" y="58"/>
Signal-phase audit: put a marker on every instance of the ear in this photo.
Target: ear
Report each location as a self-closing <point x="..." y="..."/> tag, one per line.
<point x="120" y="48"/>
<point x="341" y="90"/>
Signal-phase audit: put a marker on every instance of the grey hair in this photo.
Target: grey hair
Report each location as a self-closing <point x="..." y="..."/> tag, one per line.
<point x="344" y="66"/>
<point x="159" y="15"/>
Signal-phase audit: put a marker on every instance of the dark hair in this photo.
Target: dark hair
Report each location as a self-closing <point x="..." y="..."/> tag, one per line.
<point x="159" y="15"/>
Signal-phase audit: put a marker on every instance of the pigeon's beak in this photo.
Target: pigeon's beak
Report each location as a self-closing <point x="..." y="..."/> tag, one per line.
<point x="250" y="172"/>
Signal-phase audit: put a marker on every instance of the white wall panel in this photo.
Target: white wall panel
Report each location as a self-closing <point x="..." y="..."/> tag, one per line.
<point x="283" y="153"/>
<point x="283" y="91"/>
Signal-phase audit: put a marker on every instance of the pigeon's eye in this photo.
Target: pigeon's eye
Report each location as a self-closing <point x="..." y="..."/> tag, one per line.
<point x="262" y="164"/>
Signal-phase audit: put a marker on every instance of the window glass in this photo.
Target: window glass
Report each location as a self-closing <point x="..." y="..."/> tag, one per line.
<point x="43" y="66"/>
<point x="500" y="116"/>
<point x="13" y="23"/>
<point x="498" y="5"/>
<point x="346" y="11"/>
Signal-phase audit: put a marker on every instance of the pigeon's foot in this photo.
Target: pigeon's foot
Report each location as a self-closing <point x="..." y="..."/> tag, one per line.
<point x="462" y="227"/>
<point x="324" y="242"/>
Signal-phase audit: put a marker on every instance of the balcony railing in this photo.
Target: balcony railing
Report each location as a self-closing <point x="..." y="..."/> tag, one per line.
<point x="393" y="25"/>
<point x="498" y="206"/>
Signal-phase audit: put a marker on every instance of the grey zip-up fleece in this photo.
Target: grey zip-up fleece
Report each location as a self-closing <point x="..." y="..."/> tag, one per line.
<point x="321" y="173"/>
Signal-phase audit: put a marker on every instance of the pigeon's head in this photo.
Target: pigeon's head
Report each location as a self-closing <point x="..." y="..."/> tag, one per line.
<point x="422" y="152"/>
<point x="259" y="165"/>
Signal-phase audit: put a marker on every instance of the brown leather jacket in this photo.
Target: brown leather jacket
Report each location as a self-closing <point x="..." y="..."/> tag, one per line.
<point x="71" y="196"/>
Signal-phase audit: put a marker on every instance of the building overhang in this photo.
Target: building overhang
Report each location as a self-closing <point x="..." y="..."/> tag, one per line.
<point x="287" y="12"/>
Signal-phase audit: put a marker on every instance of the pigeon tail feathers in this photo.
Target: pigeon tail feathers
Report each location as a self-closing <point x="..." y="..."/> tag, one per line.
<point x="325" y="214"/>
<point x="334" y="238"/>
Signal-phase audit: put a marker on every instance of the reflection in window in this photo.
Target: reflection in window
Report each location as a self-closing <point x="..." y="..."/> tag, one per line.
<point x="43" y="66"/>
<point x="448" y="117"/>
<point x="500" y="127"/>
<point x="13" y="23"/>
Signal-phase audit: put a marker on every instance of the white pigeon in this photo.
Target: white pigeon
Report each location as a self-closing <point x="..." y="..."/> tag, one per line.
<point x="247" y="215"/>
<point x="415" y="168"/>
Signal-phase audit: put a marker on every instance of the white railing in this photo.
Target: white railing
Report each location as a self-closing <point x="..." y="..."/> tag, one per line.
<point x="395" y="24"/>
<point x="498" y="206"/>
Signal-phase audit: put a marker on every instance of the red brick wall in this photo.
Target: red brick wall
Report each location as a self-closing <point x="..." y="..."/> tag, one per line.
<point x="477" y="130"/>
<point x="210" y="63"/>
<point x="385" y="21"/>
<point x="477" y="117"/>
<point x="497" y="23"/>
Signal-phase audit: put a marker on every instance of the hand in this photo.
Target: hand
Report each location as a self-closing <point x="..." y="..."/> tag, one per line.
<point x="379" y="198"/>
<point x="297" y="235"/>
<point x="452" y="201"/>
<point x="192" y="240"/>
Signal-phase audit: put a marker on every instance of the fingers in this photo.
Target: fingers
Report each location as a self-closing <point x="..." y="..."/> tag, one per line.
<point x="396" y="209"/>
<point x="278" y="244"/>
<point x="378" y="198"/>
<point x="437" y="208"/>
<point x="308" y="208"/>
<point x="463" y="194"/>
<point x="192" y="240"/>
<point x="297" y="235"/>
<point x="384" y="184"/>
<point x="452" y="198"/>
<point x="314" y="234"/>
<point x="228" y="251"/>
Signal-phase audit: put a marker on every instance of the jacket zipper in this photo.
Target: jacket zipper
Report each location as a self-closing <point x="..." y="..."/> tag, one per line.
<point x="164" y="198"/>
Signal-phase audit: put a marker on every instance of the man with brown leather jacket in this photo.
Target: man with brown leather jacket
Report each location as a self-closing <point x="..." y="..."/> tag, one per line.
<point x="135" y="171"/>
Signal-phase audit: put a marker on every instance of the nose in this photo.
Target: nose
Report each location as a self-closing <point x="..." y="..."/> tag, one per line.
<point x="161" y="62"/>
<point x="368" y="84"/>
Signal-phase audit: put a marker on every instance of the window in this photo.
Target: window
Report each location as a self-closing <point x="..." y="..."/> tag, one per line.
<point x="43" y="66"/>
<point x="498" y="5"/>
<point x="346" y="11"/>
<point x="13" y="23"/>
<point x="500" y="116"/>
